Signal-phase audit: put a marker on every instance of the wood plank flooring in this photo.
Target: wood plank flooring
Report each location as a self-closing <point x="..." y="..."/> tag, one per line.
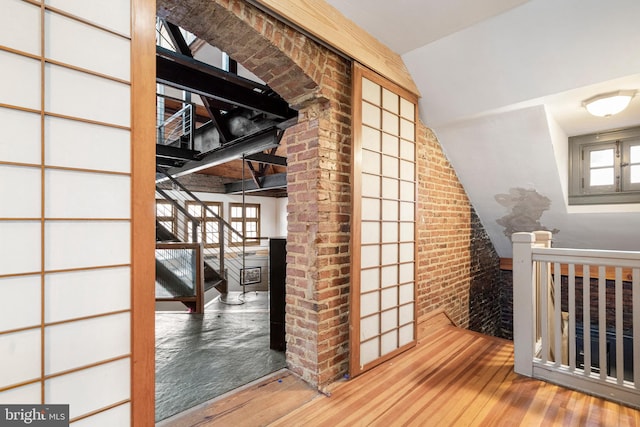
<point x="453" y="377"/>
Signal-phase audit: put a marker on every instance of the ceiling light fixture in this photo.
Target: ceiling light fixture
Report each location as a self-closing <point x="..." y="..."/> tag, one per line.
<point x="608" y="104"/>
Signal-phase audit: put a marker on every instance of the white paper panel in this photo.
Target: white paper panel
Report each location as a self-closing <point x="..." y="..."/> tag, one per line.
<point x="91" y="389"/>
<point x="74" y="144"/>
<point x="389" y="320"/>
<point x="390" y="101"/>
<point x="390" y="167"/>
<point x="370" y="162"/>
<point x="407" y="170"/>
<point x="370" y="138"/>
<point x="389" y="232"/>
<point x="20" y="23"/>
<point x="390" y="123"/>
<point x="85" y="342"/>
<point x="370" y="232"/>
<point x="14" y="315"/>
<point x="406" y="232"/>
<point x="407" y="150"/>
<point x="370" y="91"/>
<point x="111" y="14"/>
<point x="369" y="351"/>
<point x="369" y="279"/>
<point x="100" y="291"/>
<point x="370" y="256"/>
<point x="406" y="293"/>
<point x="389" y="298"/>
<point x="73" y="42"/>
<point x="25" y="395"/>
<point x="390" y="188"/>
<point x="406" y="314"/>
<point x="406" y="272"/>
<point x="388" y="342"/>
<point x="405" y="334"/>
<point x="72" y="194"/>
<point x="389" y="276"/>
<point x="389" y="210"/>
<point x="407" y="109"/>
<point x="369" y="327"/>
<point x="370" y="185"/>
<point x="407" y="130"/>
<point x="20" y="357"/>
<point x="406" y="252"/>
<point x="77" y="94"/>
<point x="87" y="243"/>
<point x="390" y="144"/>
<point x="371" y="115"/>
<point x="20" y="140"/>
<point x="369" y="303"/>
<point x="407" y="211"/>
<point x="16" y="68"/>
<point x="407" y="191"/>
<point x="22" y="254"/>
<point x="389" y="254"/>
<point x="20" y="192"/>
<point x="118" y="416"/>
<point x="370" y="209"/>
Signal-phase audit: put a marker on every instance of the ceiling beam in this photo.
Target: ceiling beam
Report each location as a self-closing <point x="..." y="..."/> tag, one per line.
<point x="268" y="182"/>
<point x="244" y="146"/>
<point x="181" y="75"/>
<point x="267" y="159"/>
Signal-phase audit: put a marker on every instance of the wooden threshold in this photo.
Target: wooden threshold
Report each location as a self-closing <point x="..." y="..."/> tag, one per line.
<point x="453" y="377"/>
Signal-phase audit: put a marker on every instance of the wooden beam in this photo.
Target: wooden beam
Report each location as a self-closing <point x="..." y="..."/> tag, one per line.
<point x="326" y="23"/>
<point x="143" y="148"/>
<point x="627" y="273"/>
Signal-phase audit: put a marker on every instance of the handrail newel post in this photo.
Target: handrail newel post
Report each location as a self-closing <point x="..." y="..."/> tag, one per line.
<point x="523" y="303"/>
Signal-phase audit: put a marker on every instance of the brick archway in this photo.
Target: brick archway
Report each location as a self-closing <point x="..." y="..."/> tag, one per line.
<point x="317" y="83"/>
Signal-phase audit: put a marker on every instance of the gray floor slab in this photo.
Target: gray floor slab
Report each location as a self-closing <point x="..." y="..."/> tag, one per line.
<point x="202" y="356"/>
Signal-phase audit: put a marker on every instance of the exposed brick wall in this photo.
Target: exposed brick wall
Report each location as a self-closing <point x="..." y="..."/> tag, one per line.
<point x="318" y="83"/>
<point x="454" y="252"/>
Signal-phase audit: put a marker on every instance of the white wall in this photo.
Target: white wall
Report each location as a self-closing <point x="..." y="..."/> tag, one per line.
<point x="65" y="284"/>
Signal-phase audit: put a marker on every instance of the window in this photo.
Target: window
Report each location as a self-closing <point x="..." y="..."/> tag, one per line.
<point x="246" y="220"/>
<point x="209" y="223"/>
<point x="605" y="168"/>
<point x="166" y="215"/>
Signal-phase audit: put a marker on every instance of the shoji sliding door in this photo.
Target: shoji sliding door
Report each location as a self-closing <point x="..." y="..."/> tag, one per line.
<point x="383" y="222"/>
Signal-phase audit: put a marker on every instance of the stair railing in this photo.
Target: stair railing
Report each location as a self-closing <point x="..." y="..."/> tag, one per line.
<point x="228" y="255"/>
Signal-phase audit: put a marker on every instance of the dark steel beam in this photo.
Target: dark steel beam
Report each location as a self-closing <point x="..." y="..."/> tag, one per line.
<point x="183" y="77"/>
<point x="248" y="145"/>
<point x="267" y="159"/>
<point x="269" y="182"/>
<point x="177" y="39"/>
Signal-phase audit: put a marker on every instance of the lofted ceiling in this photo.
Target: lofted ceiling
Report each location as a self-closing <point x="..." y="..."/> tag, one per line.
<point x="502" y="83"/>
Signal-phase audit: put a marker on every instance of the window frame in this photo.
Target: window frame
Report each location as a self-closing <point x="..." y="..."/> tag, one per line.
<point x="622" y="191"/>
<point x="173" y="218"/>
<point x="204" y="219"/>
<point x="252" y="241"/>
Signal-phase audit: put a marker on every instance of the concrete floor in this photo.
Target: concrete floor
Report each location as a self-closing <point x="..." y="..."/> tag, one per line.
<point x="199" y="357"/>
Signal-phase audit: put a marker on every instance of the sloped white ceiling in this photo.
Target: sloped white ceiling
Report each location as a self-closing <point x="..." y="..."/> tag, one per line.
<point x="503" y="92"/>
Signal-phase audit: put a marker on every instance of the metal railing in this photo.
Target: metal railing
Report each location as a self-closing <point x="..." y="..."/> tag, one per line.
<point x="228" y="256"/>
<point x="179" y="274"/>
<point x="174" y="128"/>
<point x="577" y="317"/>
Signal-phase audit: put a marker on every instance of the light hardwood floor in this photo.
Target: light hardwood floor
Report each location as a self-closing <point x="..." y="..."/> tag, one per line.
<point x="453" y="377"/>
